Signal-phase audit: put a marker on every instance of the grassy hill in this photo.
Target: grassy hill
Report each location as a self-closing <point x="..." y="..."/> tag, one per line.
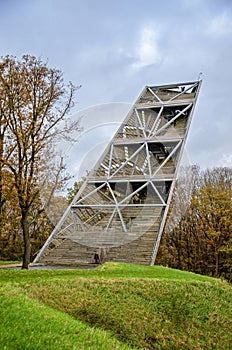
<point x="116" y="306"/>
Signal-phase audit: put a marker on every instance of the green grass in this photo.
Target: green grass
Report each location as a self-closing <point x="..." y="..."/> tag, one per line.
<point x="116" y="306"/>
<point x="28" y="324"/>
<point x="108" y="270"/>
<point x="2" y="262"/>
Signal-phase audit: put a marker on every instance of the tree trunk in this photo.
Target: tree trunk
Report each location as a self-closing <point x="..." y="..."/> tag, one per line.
<point x="27" y="243"/>
<point x="216" y="263"/>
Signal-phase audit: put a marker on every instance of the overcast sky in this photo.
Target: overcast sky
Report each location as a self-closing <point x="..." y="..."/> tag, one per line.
<point x="113" y="48"/>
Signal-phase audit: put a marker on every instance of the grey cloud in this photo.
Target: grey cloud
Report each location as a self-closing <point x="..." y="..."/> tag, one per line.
<point x="98" y="44"/>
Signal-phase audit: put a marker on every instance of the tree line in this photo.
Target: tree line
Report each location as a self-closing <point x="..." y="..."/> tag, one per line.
<point x="198" y="232"/>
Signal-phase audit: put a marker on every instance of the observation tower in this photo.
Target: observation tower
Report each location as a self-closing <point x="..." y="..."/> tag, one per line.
<point x="121" y="208"/>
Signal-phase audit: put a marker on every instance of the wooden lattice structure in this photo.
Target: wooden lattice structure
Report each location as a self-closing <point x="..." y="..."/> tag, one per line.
<point x="121" y="208"/>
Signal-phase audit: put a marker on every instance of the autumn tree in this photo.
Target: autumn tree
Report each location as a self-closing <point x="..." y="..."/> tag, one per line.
<point x="198" y="236"/>
<point x="72" y="191"/>
<point x="213" y="209"/>
<point x="34" y="103"/>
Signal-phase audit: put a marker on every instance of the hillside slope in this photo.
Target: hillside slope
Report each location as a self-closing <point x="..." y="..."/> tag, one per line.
<point x="116" y="306"/>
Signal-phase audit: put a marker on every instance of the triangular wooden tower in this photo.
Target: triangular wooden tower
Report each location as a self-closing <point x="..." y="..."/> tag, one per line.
<point x="121" y="208"/>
